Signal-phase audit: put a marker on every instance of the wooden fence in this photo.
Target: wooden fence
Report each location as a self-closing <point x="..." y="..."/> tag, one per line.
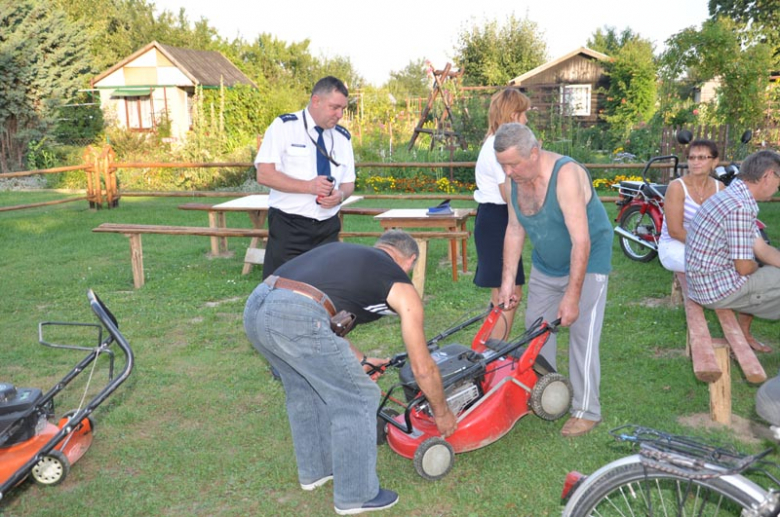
<point x="103" y="188"/>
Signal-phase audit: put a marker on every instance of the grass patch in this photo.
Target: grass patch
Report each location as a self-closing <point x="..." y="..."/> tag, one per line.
<point x="200" y="427"/>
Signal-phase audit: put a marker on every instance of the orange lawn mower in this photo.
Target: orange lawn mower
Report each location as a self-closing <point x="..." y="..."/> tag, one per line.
<point x="489" y="386"/>
<point x="30" y="444"/>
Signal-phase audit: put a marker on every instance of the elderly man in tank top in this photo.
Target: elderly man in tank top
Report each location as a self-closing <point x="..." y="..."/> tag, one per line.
<point x="553" y="202"/>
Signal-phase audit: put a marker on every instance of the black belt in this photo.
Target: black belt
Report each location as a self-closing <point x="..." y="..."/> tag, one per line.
<point x="276" y="282"/>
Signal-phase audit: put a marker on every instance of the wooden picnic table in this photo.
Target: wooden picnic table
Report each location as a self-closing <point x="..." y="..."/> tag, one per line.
<point x="256" y="207"/>
<point x="405" y="218"/>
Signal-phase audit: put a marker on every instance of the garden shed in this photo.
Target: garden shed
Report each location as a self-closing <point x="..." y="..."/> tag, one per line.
<point x="572" y="83"/>
<point x="159" y="81"/>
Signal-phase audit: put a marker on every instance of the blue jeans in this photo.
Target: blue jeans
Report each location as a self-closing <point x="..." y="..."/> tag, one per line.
<point x="331" y="402"/>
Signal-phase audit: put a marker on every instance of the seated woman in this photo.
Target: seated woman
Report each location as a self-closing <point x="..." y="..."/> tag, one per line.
<point x="684" y="197"/>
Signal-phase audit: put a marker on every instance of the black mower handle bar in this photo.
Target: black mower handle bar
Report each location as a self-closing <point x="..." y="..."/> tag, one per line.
<point x="398" y="360"/>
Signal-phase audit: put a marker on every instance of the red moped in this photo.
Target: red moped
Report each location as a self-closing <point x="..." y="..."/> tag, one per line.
<point x="641" y="209"/>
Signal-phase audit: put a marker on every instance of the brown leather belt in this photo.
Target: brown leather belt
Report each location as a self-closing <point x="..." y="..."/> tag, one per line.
<point x="276" y="282"/>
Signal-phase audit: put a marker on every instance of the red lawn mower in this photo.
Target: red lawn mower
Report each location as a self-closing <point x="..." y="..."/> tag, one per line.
<point x="31" y="445"/>
<point x="488" y="387"/>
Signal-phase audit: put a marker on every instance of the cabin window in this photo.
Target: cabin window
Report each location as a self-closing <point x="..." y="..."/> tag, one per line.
<point x="139" y="112"/>
<point x="575" y="99"/>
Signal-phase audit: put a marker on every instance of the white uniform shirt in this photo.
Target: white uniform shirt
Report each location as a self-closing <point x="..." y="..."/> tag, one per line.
<point x="489" y="175"/>
<point x="287" y="145"/>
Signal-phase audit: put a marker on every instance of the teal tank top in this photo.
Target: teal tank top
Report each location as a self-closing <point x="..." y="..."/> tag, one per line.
<point x="550" y="237"/>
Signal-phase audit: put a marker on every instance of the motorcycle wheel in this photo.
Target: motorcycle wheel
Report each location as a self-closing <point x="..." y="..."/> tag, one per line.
<point x="638" y="224"/>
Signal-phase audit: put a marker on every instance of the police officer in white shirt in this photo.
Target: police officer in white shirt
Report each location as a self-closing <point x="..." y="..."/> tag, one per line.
<point x="306" y="161"/>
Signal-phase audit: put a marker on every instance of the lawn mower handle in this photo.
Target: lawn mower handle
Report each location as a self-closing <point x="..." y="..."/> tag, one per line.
<point x="110" y="323"/>
<point x="399" y="360"/>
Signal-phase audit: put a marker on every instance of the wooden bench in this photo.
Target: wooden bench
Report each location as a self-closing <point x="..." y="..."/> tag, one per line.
<point x="710" y="357"/>
<point x="219" y="245"/>
<point x="134" y="232"/>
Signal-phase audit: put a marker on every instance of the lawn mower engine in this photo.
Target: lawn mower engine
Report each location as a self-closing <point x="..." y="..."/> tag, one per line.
<point x="451" y="360"/>
<point x="13" y="404"/>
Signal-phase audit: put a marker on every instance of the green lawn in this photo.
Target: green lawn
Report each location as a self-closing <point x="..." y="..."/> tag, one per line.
<point x="200" y="428"/>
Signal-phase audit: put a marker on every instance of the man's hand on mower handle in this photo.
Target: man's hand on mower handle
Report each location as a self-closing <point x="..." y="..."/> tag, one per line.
<point x="508" y="299"/>
<point x="374" y="366"/>
<point x="446" y="423"/>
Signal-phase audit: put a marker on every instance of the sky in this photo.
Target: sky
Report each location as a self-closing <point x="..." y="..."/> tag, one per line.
<point x="384" y="37"/>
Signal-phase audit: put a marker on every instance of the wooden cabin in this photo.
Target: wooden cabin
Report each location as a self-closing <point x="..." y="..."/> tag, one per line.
<point x="569" y="85"/>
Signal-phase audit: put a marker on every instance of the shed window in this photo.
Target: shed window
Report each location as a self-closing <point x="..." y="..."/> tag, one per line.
<point x="575" y="99"/>
<point x="139" y="112"/>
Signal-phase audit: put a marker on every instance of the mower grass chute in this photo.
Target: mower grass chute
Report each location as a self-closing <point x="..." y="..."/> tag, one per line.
<point x="30" y="444"/>
<point x="488" y="386"/>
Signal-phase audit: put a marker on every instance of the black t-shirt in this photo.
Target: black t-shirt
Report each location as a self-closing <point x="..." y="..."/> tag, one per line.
<point x="356" y="278"/>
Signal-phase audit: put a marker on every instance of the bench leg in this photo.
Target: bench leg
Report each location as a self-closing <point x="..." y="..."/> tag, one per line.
<point x="219" y="245"/>
<point x="464" y="245"/>
<point x="676" y="296"/>
<point x="137" y="259"/>
<point x="720" y="390"/>
<point x="418" y="274"/>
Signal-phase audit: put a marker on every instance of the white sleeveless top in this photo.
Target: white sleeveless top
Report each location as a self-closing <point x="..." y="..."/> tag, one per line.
<point x="690" y="207"/>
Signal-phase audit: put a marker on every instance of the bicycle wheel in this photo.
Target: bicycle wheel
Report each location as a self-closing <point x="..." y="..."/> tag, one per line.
<point x="642" y="227"/>
<point x="632" y="490"/>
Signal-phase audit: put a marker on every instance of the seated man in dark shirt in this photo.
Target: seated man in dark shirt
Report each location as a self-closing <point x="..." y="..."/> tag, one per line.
<point x="331" y="402"/>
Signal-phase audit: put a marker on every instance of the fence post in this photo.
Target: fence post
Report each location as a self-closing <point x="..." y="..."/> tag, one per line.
<point x="109" y="172"/>
<point x="93" y="183"/>
<point x="101" y="175"/>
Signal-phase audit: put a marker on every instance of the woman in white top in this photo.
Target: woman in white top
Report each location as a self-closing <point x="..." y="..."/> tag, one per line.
<point x="508" y="105"/>
<point x="684" y="197"/>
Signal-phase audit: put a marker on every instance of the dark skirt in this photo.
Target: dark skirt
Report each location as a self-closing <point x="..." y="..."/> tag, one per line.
<point x="489" y="229"/>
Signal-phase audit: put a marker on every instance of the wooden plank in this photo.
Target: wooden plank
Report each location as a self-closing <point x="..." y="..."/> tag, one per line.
<point x="196" y="206"/>
<point x="745" y="356"/>
<point x="179" y="230"/>
<point x="354" y="210"/>
<point x="419" y="235"/>
<point x="705" y="365"/>
<point x="720" y="390"/>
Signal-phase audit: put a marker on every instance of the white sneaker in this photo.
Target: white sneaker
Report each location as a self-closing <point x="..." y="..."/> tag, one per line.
<point x="316" y="484"/>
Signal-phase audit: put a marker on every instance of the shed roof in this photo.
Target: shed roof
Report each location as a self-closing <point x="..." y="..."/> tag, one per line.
<point x="518" y="81"/>
<point x="203" y="67"/>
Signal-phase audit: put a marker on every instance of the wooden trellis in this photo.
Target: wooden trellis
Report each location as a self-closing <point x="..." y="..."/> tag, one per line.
<point x="444" y="121"/>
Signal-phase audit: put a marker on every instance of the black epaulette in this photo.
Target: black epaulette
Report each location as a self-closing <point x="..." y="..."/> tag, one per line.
<point x="343" y="131"/>
<point x="288" y="117"/>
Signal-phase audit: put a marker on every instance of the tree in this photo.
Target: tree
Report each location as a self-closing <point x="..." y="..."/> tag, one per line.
<point x="761" y="16"/>
<point x="495" y="54"/>
<point x="410" y="82"/>
<point x="740" y="60"/>
<point x="43" y="59"/>
<point x="117" y="28"/>
<point x="607" y="40"/>
<point x="631" y="96"/>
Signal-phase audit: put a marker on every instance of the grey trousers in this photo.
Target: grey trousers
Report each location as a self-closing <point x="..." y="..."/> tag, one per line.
<point x="759" y="296"/>
<point x="544" y="296"/>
